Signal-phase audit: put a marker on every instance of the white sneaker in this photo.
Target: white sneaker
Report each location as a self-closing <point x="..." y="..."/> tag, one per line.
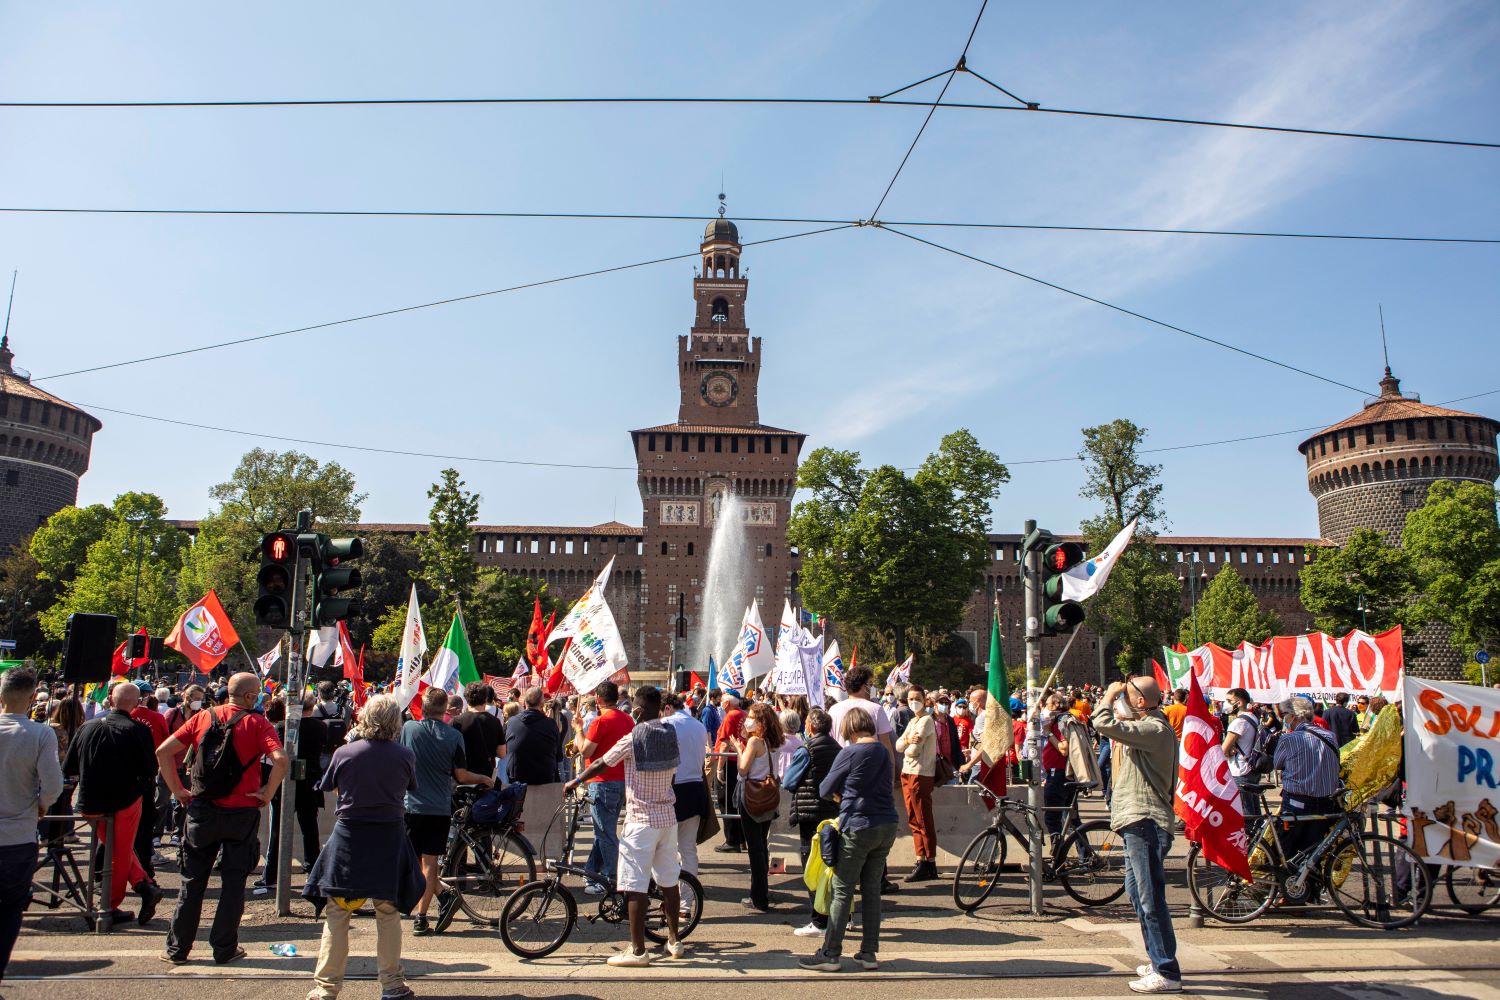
<point x="630" y="959"/>
<point x="1142" y="971"/>
<point x="808" y="930"/>
<point x="593" y="889"/>
<point x="676" y="949"/>
<point x="1156" y="983"/>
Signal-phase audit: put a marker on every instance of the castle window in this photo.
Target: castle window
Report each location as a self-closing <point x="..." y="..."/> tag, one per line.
<point x="585" y="546"/>
<point x="12" y="477"/>
<point x="683" y="444"/>
<point x="719" y="312"/>
<point x="1323" y="447"/>
<point x="663" y="548"/>
<point x="568" y="546"/>
<point x="690" y="552"/>
<point x="768" y="550"/>
<point x="1335" y="444"/>
<point x="650" y="442"/>
<point x="25" y="409"/>
<point x="552" y="546"/>
<point x="1431" y="428"/>
<point x="701" y="440"/>
<point x="1450" y="429"/>
<point x="734" y="443"/>
<point x="718" y="442"/>
<point x="783" y="446"/>
<point x="1351" y="437"/>
<point x="1411" y="430"/>
<point x="669" y="441"/>
<point x="1369" y="435"/>
<point x="640" y="549"/>
<point x="1276" y="556"/>
<point x="535" y="546"/>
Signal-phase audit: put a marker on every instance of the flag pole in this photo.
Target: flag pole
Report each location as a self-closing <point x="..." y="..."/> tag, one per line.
<point x="254" y="667"/>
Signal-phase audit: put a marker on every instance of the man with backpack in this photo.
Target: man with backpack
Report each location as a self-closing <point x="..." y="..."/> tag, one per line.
<point x="223" y="806"/>
<point x="1243" y="738"/>
<point x="1309" y="764"/>
<point x="334" y="713"/>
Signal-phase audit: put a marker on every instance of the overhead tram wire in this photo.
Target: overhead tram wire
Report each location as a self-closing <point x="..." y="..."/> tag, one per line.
<point x="1128" y="312"/>
<point x="630" y="468"/>
<point x="421" y="305"/>
<point x="654" y="217"/>
<point x="789" y="101"/>
<point x="930" y="111"/>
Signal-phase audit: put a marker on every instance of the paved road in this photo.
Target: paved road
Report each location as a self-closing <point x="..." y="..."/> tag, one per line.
<point x="929" y="952"/>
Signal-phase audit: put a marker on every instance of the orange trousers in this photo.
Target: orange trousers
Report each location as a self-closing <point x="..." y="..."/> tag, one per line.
<point x="916" y="790"/>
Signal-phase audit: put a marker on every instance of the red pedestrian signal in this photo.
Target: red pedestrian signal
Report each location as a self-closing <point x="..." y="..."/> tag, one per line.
<point x="277" y="547"/>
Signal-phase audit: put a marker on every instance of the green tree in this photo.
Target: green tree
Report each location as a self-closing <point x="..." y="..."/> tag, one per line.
<point x="448" y="565"/>
<point x="1229" y="614"/>
<point x="881" y="550"/>
<point x="1366" y="570"/>
<point x="390" y="566"/>
<point x="62" y="544"/>
<point x="24" y="595"/>
<point x="105" y="583"/>
<point x="500" y="615"/>
<point x="1454" y="540"/>
<point x="1141" y="605"/>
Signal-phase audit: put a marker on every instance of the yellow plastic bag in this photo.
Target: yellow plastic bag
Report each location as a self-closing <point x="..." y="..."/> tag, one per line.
<point x="818" y="877"/>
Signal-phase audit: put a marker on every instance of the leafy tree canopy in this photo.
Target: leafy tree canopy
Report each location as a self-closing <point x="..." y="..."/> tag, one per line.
<point x="1454" y="540"/>
<point x="1365" y="571"/>
<point x="1229" y="614"/>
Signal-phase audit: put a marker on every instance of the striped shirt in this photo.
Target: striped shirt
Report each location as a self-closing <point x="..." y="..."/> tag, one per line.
<point x="649" y="799"/>
<point x="1308" y="763"/>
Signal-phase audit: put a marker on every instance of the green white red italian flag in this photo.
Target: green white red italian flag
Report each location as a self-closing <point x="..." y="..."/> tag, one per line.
<point x="452" y="665"/>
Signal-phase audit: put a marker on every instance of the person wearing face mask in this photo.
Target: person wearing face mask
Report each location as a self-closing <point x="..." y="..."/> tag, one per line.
<point x="918" y="746"/>
<point x="189" y="705"/>
<point x="950" y="747"/>
<point x="762" y="738"/>
<point x="1054" y="763"/>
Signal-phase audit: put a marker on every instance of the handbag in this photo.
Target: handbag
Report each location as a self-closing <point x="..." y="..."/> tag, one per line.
<point x="944" y="771"/>
<point x="708" y="821"/>
<point x="760" y="796"/>
<point x="830" y="840"/>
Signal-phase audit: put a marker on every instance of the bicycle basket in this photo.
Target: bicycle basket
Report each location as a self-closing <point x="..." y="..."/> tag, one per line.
<point x="498" y="806"/>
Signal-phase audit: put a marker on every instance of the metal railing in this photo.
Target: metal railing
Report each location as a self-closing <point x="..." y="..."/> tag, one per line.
<point x="84" y="888"/>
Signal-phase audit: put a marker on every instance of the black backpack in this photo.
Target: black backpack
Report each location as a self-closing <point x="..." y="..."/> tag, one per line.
<point x="216" y="768"/>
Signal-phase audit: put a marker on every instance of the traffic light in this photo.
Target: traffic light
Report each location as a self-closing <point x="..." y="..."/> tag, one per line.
<point x="333" y="578"/>
<point x="278" y="560"/>
<point x="1059" y="615"/>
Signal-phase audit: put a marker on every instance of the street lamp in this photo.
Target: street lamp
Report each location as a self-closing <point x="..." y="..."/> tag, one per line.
<point x="1193" y="579"/>
<point x="138" y="539"/>
<point x="1363" y="609"/>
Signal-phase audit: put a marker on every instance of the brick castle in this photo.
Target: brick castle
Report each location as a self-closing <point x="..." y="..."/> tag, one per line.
<point x="1367" y="471"/>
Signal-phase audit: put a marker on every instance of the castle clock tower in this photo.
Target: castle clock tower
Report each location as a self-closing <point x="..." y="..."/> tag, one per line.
<point x="717" y="448"/>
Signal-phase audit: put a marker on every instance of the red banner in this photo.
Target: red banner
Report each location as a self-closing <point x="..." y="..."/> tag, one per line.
<point x="1207" y="799"/>
<point x="203" y="634"/>
<point x="1314" y="663"/>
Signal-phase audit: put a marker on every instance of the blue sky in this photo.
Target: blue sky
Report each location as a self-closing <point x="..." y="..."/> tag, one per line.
<point x="873" y="342"/>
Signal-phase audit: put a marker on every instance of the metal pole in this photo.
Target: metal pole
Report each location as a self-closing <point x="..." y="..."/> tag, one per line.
<point x="1031" y="574"/>
<point x="104" y="907"/>
<point x="295" y="682"/>
<point x="135" y="597"/>
<point x="1193" y="587"/>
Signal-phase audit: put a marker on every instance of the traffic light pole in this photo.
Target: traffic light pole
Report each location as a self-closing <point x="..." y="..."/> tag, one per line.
<point x="1031" y="576"/>
<point x="295" y="683"/>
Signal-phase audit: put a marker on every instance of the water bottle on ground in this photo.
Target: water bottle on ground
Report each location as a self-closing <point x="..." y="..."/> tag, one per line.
<point x="284" y="950"/>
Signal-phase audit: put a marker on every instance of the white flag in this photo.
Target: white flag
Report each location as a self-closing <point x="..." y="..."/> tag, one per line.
<point x="321" y="645"/>
<point x="902" y="673"/>
<point x="265" y="661"/>
<point x="597" y="652"/>
<point x="833" y="672"/>
<point x="788" y="677"/>
<point x="759" y="656"/>
<point x="413" y="652"/>
<point x="810" y="653"/>
<point x="1087" y="578"/>
<point x="569" y="626"/>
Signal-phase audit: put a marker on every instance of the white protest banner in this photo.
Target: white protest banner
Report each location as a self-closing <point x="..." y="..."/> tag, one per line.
<point x="1452" y="738"/>
<point x="596" y="653"/>
<point x="810" y="652"/>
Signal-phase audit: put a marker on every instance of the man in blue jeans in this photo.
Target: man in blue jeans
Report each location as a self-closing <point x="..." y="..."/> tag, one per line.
<point x="30" y="781"/>
<point x="1144" y="751"/>
<point x="607" y="790"/>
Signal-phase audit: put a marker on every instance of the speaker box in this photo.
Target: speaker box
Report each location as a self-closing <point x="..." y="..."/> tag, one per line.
<point x="88" y="648"/>
<point x="156" y="649"/>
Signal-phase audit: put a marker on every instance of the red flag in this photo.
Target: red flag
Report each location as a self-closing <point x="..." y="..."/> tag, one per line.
<point x="534" y="647"/>
<point x="203" y="634"/>
<point x="553" y="681"/>
<point x="359" y="688"/>
<point x="1207" y="799"/>
<point x="1161" y="679"/>
<point x="853" y="656"/>
<point x="1178" y="647"/>
<point x="992" y="779"/>
<point x="541" y="646"/>
<point x="120" y="665"/>
<point x="695" y="682"/>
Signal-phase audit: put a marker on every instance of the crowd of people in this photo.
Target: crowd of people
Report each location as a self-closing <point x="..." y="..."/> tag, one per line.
<point x="189" y="769"/>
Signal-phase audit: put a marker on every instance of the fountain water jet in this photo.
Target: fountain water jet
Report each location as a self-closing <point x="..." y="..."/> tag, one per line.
<point x="726" y="589"/>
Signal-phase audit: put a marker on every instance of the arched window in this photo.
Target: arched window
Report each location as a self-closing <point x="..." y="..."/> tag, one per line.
<point x="719" y="311"/>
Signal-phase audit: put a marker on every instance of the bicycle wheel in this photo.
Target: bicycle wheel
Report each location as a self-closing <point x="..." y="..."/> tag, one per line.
<point x="537" y="918"/>
<point x="1091" y="864"/>
<point x="1223" y="894"/>
<point x="978" y="870"/>
<point x="1379" y="882"/>
<point x="1473" y="890"/>
<point x="483" y="884"/>
<point x="690" y="899"/>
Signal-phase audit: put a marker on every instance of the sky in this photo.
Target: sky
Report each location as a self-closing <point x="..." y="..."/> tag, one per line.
<point x="873" y="342"/>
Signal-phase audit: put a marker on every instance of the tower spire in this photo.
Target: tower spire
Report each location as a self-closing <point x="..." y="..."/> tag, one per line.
<point x="6" y="355"/>
<point x="1384" y="349"/>
<point x="1390" y="385"/>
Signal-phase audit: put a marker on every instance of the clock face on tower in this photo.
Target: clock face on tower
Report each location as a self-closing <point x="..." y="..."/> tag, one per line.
<point x="719" y="388"/>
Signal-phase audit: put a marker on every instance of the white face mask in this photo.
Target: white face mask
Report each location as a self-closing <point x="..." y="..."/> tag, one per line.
<point x="917" y="707"/>
<point x="195" y="705"/>
<point x="940" y="708"/>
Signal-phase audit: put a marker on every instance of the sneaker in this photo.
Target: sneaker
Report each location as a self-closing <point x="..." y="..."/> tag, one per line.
<point x="676" y="949"/>
<point x="1156" y="983"/>
<point x="808" y="930"/>
<point x="821" y="962"/>
<point x="419" y="926"/>
<point x="260" y="889"/>
<point x="1142" y="971"/>
<point x="630" y="959"/>
<point x="151" y="895"/>
<point x="728" y="849"/>
<point x="402" y="992"/>
<point x="866" y="960"/>
<point x="593" y="889"/>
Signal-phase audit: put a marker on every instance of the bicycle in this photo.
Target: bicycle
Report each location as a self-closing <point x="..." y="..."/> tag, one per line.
<point x="1374" y="879"/>
<point x="1472" y="890"/>
<point x="539" y="917"/>
<point x="1087" y="858"/>
<point x="483" y="864"/>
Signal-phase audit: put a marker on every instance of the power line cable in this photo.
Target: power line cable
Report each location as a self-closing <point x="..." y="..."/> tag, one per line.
<point x="930" y="111"/>
<point x="421" y="305"/>
<point x="630" y="468"/>
<point x="793" y="101"/>
<point x="656" y="217"/>
<point x="1128" y="312"/>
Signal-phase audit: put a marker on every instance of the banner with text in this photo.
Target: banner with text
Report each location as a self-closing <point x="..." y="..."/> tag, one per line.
<point x="1317" y="663"/>
<point x="1452" y="739"/>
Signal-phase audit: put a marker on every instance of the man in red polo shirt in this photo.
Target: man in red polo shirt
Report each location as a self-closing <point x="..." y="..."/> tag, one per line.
<point x="230" y="823"/>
